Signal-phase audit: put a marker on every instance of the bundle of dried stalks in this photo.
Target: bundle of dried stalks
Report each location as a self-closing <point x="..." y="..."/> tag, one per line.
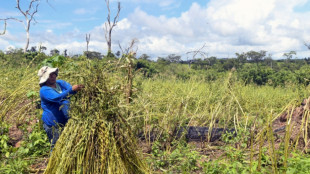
<point x="97" y="138"/>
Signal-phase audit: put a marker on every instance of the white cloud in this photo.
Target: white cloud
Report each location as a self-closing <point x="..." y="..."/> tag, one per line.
<point x="20" y="37"/>
<point x="166" y="3"/>
<point x="227" y="26"/>
<point x="3" y="44"/>
<point x="123" y="25"/>
<point x="164" y="45"/>
<point x="77" y="46"/>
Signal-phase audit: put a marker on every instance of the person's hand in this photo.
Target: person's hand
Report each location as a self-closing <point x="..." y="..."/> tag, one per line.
<point x="77" y="87"/>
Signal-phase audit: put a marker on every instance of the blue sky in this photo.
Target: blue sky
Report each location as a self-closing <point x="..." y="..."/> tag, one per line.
<point x="164" y="27"/>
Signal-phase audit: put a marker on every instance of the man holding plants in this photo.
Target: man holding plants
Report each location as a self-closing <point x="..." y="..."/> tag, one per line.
<point x="55" y="95"/>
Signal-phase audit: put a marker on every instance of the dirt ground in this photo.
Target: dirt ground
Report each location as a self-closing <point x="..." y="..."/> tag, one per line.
<point x="297" y="119"/>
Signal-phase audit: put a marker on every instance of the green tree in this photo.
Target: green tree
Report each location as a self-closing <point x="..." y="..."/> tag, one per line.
<point x="144" y="57"/>
<point x="289" y="55"/>
<point x="118" y="53"/>
<point x="93" y="54"/>
<point x="33" y="49"/>
<point x="173" y="58"/>
<point x="54" y="52"/>
<point x="256" y="56"/>
<point x="269" y="62"/>
<point x="229" y="64"/>
<point x="163" y="61"/>
<point x="241" y="59"/>
<point x="65" y="53"/>
<point x="211" y="60"/>
<point x="146" y="67"/>
<point x="200" y="64"/>
<point x="42" y="48"/>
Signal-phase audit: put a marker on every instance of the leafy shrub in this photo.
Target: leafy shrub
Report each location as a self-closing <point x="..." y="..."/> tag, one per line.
<point x="14" y="166"/>
<point x="182" y="159"/>
<point x="298" y="164"/>
<point x="35" y="145"/>
<point x="302" y="76"/>
<point x="255" y="75"/>
<point x="230" y="167"/>
<point x="145" y="67"/>
<point x="54" y="61"/>
<point x="280" y="78"/>
<point x="4" y="138"/>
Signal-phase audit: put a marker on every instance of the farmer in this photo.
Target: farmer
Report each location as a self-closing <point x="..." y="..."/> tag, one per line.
<point x="55" y="102"/>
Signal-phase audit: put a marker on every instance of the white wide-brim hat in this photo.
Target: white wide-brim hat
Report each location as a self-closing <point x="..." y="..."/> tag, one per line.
<point x="44" y="73"/>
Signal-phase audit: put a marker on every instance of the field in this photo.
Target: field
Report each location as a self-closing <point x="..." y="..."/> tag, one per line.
<point x="267" y="133"/>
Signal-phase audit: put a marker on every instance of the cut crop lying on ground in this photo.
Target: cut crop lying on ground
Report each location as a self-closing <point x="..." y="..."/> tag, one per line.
<point x="101" y="118"/>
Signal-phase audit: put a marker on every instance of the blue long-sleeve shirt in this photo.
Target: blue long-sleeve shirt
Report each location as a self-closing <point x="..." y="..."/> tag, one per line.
<point x="55" y="105"/>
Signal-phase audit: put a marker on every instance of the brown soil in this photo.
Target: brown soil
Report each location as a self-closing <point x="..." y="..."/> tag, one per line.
<point x="12" y="118"/>
<point x="297" y="114"/>
<point x="210" y="149"/>
<point x="16" y="135"/>
<point x="15" y="132"/>
<point x="297" y="117"/>
<point x="39" y="166"/>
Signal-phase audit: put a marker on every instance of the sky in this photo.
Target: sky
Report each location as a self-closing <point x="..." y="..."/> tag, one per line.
<point x="163" y="27"/>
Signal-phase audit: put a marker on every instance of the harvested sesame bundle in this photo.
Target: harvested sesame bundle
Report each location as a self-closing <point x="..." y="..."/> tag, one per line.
<point x="97" y="138"/>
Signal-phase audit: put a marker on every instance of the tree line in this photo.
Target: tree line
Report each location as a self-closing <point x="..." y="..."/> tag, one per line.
<point x="253" y="67"/>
